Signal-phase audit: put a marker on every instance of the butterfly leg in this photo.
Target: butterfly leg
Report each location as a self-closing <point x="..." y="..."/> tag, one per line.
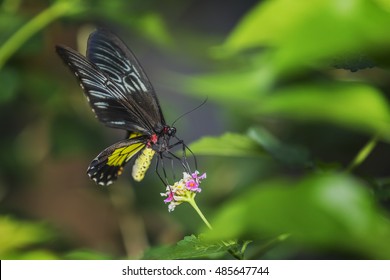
<point x="185" y="147"/>
<point x="160" y="159"/>
<point x="173" y="169"/>
<point x="183" y="160"/>
<point x="171" y="159"/>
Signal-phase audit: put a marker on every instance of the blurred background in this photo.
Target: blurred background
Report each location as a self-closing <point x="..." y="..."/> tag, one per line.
<point x="294" y="135"/>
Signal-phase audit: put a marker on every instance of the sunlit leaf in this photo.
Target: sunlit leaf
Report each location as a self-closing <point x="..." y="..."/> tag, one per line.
<point x="303" y="33"/>
<point x="154" y="28"/>
<point x="228" y="144"/>
<point x="15" y="235"/>
<point x="351" y="105"/>
<point x="33" y="255"/>
<point x="240" y="87"/>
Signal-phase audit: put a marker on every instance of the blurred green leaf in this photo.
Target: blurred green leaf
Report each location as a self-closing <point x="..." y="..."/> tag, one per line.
<point x="270" y="14"/>
<point x="191" y="247"/>
<point x="385" y="4"/>
<point x="287" y="154"/>
<point x="239" y="88"/>
<point x="16" y="235"/>
<point x="323" y="212"/>
<point x="130" y="14"/>
<point x="17" y="39"/>
<point x="33" y="254"/>
<point x="153" y="27"/>
<point x="9" y="23"/>
<point x="70" y="139"/>
<point x="340" y="103"/>
<point x="228" y="144"/>
<point x="304" y="33"/>
<point x="348" y="104"/>
<point x="86" y="255"/>
<point x="9" y="79"/>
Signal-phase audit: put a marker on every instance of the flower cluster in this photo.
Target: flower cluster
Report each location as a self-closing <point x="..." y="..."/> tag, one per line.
<point x="183" y="190"/>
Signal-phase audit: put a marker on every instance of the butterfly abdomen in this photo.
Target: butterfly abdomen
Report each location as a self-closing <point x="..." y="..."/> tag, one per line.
<point x="142" y="164"/>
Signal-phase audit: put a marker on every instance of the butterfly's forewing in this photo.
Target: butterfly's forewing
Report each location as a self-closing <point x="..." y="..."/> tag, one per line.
<point x="116" y="60"/>
<point x="103" y="95"/>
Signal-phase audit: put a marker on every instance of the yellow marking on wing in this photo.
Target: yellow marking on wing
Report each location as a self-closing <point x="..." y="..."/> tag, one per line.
<point x="135" y="134"/>
<point x="142" y="164"/>
<point x="124" y="154"/>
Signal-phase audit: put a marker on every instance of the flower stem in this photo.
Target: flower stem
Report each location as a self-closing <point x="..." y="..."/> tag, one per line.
<point x="363" y="154"/>
<point x="195" y="206"/>
<point x="237" y="255"/>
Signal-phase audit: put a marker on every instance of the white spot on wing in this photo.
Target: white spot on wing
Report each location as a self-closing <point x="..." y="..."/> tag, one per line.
<point x="118" y="122"/>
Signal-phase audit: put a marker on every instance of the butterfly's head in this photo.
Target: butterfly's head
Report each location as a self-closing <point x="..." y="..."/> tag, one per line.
<point x="170" y="131"/>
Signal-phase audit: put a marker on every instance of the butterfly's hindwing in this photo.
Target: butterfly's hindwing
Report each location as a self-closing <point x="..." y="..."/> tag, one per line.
<point x="108" y="165"/>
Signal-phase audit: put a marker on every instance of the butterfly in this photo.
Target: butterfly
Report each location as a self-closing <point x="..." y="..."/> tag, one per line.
<point x="122" y="97"/>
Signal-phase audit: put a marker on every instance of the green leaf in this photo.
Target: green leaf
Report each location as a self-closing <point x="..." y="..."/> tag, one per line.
<point x="191" y="247"/>
<point x="84" y="254"/>
<point x="153" y="27"/>
<point x="33" y="255"/>
<point x="16" y="235"/>
<point x="287" y="154"/>
<point x="303" y="33"/>
<point x="9" y="79"/>
<point x="228" y="144"/>
<point x="251" y="32"/>
<point x="237" y="87"/>
<point x="348" y="104"/>
<point x="321" y="212"/>
<point x="41" y="20"/>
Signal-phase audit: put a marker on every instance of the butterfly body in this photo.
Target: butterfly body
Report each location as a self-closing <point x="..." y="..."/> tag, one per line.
<point x="142" y="164"/>
<point x="121" y="97"/>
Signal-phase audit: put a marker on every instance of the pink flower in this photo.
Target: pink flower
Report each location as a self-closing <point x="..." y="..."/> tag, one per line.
<point x="193" y="182"/>
<point x="183" y="190"/>
<point x="169" y="198"/>
<point x="192" y="185"/>
<point x="198" y="178"/>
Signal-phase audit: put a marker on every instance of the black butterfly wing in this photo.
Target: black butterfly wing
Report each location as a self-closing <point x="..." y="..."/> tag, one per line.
<point x="116" y="60"/>
<point x="108" y="165"/>
<point x="108" y="101"/>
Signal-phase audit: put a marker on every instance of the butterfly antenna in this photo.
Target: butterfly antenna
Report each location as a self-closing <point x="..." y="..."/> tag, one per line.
<point x="190" y="111"/>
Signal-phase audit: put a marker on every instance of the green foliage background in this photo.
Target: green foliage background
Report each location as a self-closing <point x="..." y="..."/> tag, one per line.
<point x="294" y="137"/>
